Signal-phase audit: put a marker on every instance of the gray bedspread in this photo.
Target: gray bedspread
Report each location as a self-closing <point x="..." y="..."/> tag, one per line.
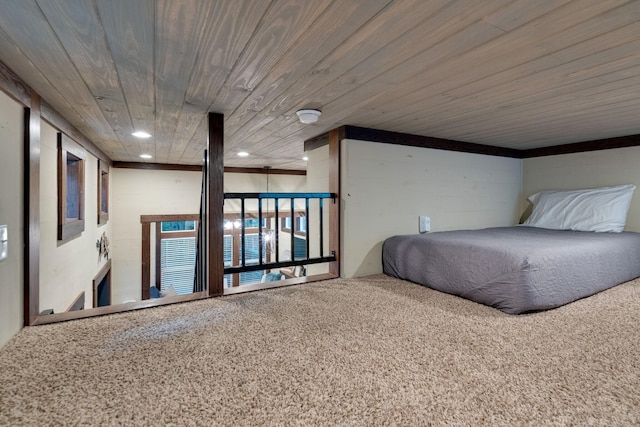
<point x="515" y="269"/>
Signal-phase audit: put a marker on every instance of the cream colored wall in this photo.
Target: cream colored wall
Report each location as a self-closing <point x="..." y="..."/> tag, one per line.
<point x="318" y="182"/>
<point x="255" y="183"/>
<point x="586" y="170"/>
<point x="136" y="192"/>
<point x="66" y="269"/>
<point x="11" y="188"/>
<point x="386" y="187"/>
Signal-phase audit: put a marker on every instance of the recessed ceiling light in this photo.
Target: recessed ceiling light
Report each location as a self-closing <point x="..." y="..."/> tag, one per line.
<point x="243" y="153"/>
<point x="141" y="134"/>
<point x="146" y="156"/>
<point x="305" y="158"/>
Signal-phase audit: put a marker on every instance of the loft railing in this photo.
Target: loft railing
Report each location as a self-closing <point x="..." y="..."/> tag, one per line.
<point x="313" y="217"/>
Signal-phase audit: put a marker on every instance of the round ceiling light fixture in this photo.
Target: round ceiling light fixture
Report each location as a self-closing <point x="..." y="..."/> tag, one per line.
<point x="242" y="154"/>
<point x="308" y="116"/>
<point x="146" y="156"/>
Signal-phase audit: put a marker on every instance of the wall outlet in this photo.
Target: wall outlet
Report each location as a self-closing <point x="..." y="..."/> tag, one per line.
<point x="4" y="242"/>
<point x="425" y="224"/>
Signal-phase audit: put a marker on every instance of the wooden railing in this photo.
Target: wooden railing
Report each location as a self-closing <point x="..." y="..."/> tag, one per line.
<point x="311" y="219"/>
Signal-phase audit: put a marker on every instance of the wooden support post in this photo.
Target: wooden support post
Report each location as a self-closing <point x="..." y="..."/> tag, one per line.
<point x="334" y="208"/>
<point x="146" y="260"/>
<point x="215" y="208"/>
<point x="31" y="216"/>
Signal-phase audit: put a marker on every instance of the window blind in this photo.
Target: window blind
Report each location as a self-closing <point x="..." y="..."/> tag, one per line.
<point x="177" y="263"/>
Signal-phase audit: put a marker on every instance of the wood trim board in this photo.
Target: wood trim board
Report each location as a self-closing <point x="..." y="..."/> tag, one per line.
<point x="31" y="211"/>
<point x="198" y="168"/>
<point x="397" y="138"/>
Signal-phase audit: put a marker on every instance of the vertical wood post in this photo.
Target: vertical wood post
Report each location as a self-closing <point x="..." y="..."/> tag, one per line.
<point x="31" y="218"/>
<point x="146" y="260"/>
<point x="334" y="208"/>
<point x="215" y="208"/>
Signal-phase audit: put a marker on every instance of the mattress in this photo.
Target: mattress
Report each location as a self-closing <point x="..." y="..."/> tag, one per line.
<point x="515" y="269"/>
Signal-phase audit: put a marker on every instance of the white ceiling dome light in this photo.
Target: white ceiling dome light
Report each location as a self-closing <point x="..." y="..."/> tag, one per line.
<point x="308" y="116"/>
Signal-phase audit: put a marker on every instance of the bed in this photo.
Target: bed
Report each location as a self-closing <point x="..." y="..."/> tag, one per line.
<point x="571" y="246"/>
<point x="515" y="269"/>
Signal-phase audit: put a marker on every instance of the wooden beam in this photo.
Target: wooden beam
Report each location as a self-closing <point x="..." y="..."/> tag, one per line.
<point x="14" y="86"/>
<point x="146" y="260"/>
<point x="157" y="166"/>
<point x="198" y="168"/>
<point x="334" y="208"/>
<point x="297" y="172"/>
<point x="31" y="212"/>
<point x="375" y="135"/>
<point x="579" y="147"/>
<point x="215" y="208"/>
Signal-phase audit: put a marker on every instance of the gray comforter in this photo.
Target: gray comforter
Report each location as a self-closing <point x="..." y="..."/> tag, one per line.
<point x="515" y="269"/>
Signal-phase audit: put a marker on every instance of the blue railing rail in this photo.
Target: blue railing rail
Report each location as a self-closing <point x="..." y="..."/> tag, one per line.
<point x="277" y="197"/>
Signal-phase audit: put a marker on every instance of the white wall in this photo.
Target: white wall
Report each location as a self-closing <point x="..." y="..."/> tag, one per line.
<point x="318" y="182"/>
<point x="386" y="187"/>
<point x="136" y="192"/>
<point x="68" y="268"/>
<point x="586" y="170"/>
<point x="11" y="188"/>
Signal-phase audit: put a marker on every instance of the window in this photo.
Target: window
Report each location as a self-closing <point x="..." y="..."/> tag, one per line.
<point x="177" y="265"/>
<point x="176" y="246"/>
<point x="175" y="226"/>
<point x="103" y="192"/>
<point x="71" y="158"/>
<point x="300" y="222"/>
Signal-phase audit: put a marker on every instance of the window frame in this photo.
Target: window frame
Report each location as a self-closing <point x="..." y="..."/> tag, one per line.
<point x="103" y="189"/>
<point x="70" y="227"/>
<point x="296" y="221"/>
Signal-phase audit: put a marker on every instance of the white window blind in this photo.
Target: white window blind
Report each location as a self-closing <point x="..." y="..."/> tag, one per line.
<point x="177" y="263"/>
<point x="228" y="259"/>
<point x="252" y="245"/>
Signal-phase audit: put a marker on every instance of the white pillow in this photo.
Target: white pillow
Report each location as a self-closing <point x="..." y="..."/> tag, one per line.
<point x="598" y="209"/>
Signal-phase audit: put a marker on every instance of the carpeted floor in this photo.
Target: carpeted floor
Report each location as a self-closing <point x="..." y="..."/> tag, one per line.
<point x="369" y="351"/>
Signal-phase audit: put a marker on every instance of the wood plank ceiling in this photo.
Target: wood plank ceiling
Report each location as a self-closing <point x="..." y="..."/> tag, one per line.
<point x="509" y="73"/>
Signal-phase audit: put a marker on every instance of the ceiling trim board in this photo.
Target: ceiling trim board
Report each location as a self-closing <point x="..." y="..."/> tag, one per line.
<point x="198" y="168"/>
<point x="17" y="89"/>
<point x="232" y="169"/>
<point x="580" y="147"/>
<point x="14" y="86"/>
<point x="397" y="138"/>
<point x="157" y="166"/>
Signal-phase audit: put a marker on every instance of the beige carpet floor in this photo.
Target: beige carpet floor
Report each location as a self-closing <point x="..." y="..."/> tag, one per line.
<point x="369" y="351"/>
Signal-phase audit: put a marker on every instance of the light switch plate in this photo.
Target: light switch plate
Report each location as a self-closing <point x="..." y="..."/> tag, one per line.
<point x="4" y="242"/>
<point x="424" y="224"/>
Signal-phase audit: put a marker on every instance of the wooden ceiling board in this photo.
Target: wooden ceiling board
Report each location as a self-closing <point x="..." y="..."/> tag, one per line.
<point x="369" y="74"/>
<point x="552" y="104"/>
<point x="572" y="78"/>
<point x="520" y="46"/>
<point x="178" y="31"/>
<point x="52" y="74"/>
<point x="220" y="50"/>
<point x="338" y="23"/>
<point x="510" y="73"/>
<point x="79" y="30"/>
<point x="131" y="45"/>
